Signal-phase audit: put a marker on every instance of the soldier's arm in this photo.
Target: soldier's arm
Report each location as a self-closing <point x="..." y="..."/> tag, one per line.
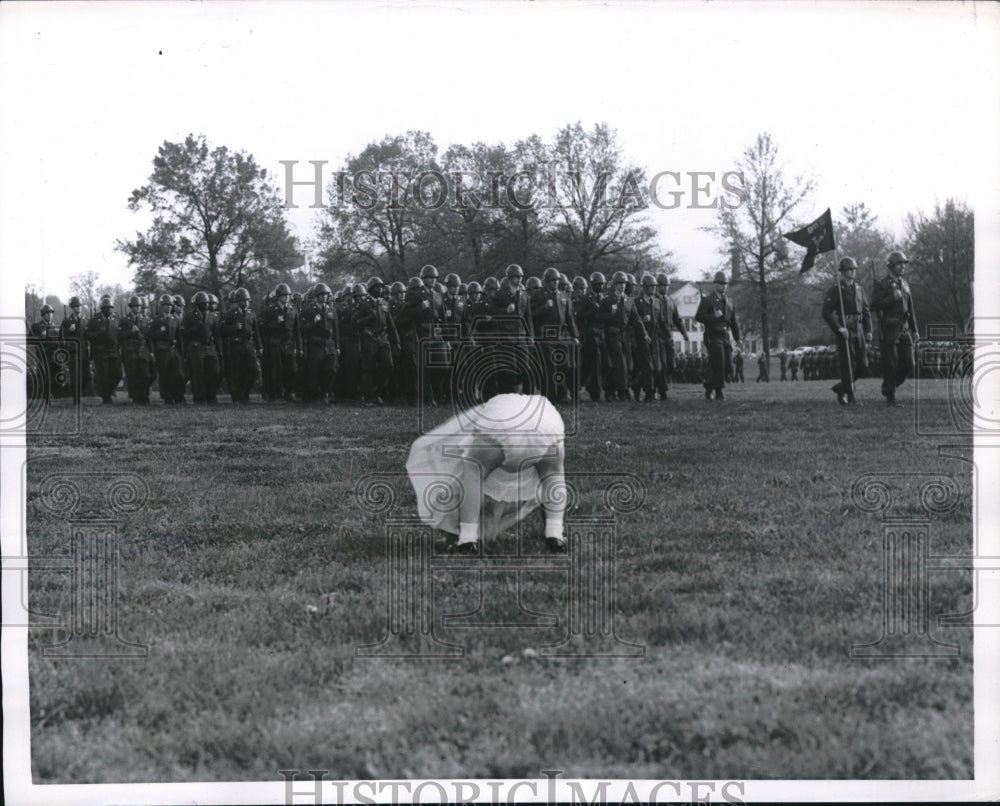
<point x="704" y="313"/>
<point x="390" y="326"/>
<point x="678" y="322"/>
<point x="636" y="321"/>
<point x="866" y="314"/>
<point x="831" y="311"/>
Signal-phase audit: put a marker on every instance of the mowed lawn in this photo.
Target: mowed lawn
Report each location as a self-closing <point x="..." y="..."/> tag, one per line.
<point x="252" y="574"/>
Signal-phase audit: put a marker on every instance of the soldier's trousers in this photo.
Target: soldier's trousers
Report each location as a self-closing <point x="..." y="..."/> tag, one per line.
<point x="107" y="374"/>
<point x="279" y="373"/>
<point x="897" y="358"/>
<point x="204" y="375"/>
<point x="663" y="364"/>
<point x="618" y="380"/>
<point x="321" y="371"/>
<point x="857" y="367"/>
<point x="592" y="369"/>
<point x="557" y="357"/>
<point x="642" y="367"/>
<point x="720" y="361"/>
<point x="349" y="367"/>
<point x="136" y="377"/>
<point x="376" y="367"/>
<point x="168" y="368"/>
<point x="242" y="372"/>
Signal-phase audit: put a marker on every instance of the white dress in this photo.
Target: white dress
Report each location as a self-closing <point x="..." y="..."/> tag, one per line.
<point x="526" y="427"/>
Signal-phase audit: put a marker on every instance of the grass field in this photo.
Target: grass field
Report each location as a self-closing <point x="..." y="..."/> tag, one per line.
<point x="251" y="573"/>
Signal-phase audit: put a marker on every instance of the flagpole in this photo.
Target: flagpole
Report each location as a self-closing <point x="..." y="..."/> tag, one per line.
<point x="843" y="318"/>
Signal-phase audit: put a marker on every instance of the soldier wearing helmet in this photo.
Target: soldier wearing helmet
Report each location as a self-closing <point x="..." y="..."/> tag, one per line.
<point x="717" y="314"/>
<point x="282" y="339"/>
<point x="664" y="339"/>
<point x="165" y="344"/>
<point x="621" y="319"/>
<point x="893" y="303"/>
<point x="44" y="337"/>
<point x="133" y="339"/>
<point x="320" y="337"/>
<point x="102" y="335"/>
<point x="556" y="336"/>
<point x="646" y="355"/>
<point x="378" y="338"/>
<point x="202" y="345"/>
<point x="510" y="309"/>
<point x="846" y="313"/>
<point x="243" y="344"/>
<point x="590" y="323"/>
<point x="71" y="331"/>
<point x="421" y="314"/>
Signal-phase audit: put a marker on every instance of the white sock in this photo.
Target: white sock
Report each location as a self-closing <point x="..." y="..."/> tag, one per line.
<point x="468" y="533"/>
<point x="554" y="527"/>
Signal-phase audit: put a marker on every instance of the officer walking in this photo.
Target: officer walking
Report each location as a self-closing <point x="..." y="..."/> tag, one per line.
<point x="845" y="310"/>
<point x="898" y="325"/>
<point x="717" y="314"/>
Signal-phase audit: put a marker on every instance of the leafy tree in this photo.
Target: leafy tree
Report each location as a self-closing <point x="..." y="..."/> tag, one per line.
<point x="753" y="229"/>
<point x="941" y="250"/>
<point x="218" y="221"/>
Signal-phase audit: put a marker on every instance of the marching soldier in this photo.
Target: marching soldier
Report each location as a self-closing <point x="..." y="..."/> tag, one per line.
<point x="200" y="331"/>
<point x="738" y="366"/>
<point x="664" y="338"/>
<point x="845" y="310"/>
<point x="71" y="331"/>
<point x="133" y="339"/>
<point x="243" y="346"/>
<point x="279" y="328"/>
<point x="793" y="366"/>
<point x="102" y="334"/>
<point x="898" y="325"/>
<point x="717" y="314"/>
<point x="165" y="339"/>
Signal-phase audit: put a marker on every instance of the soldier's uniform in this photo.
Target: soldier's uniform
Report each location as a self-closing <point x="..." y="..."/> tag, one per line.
<point x="664" y="340"/>
<point x="738" y="367"/>
<point x="279" y="329"/>
<point x="320" y="336"/>
<point x="620" y="318"/>
<point x="71" y="332"/>
<point x="855" y="317"/>
<point x="893" y="302"/>
<point x="243" y="346"/>
<point x="377" y="331"/>
<point x="165" y="339"/>
<point x="556" y="336"/>
<point x="45" y="335"/>
<point x="717" y="314"/>
<point x="200" y="331"/>
<point x="133" y="340"/>
<point x="647" y="358"/>
<point x="793" y="366"/>
<point x="591" y="323"/>
<point x="102" y="334"/>
<point x="511" y="311"/>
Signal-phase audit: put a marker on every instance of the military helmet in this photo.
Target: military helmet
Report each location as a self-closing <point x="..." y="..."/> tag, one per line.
<point x="414" y="283"/>
<point x="241" y="294"/>
<point x="475" y="288"/>
<point x="463" y="289"/>
<point x="106" y="302"/>
<point x="847" y="264"/>
<point x="439" y="288"/>
<point x="579" y="283"/>
<point x="720" y="277"/>
<point x="359" y="290"/>
<point x="647" y="279"/>
<point x="134" y="302"/>
<point x="491" y="284"/>
<point x="533" y="284"/>
<point x="398" y="288"/>
<point x="74" y="302"/>
<point x="164" y="300"/>
<point x="296" y="298"/>
<point x="597" y="278"/>
<point x="662" y="279"/>
<point x="321" y="290"/>
<point x="619" y="277"/>
<point x="46" y="309"/>
<point x="282" y="290"/>
<point x="199" y="298"/>
<point x="213" y="300"/>
<point x="178" y="300"/>
<point x="231" y="296"/>
<point x="631" y="279"/>
<point x="452" y="279"/>
<point x="563" y="281"/>
<point x="428" y="271"/>
<point x="896" y="257"/>
<point x="550" y="274"/>
<point x="375" y="282"/>
<point x="513" y="270"/>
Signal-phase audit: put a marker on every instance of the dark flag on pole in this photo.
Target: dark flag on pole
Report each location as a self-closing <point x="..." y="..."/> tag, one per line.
<point x="816" y="238"/>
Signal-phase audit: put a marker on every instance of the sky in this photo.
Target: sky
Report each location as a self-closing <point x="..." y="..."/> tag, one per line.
<point x="892" y="104"/>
